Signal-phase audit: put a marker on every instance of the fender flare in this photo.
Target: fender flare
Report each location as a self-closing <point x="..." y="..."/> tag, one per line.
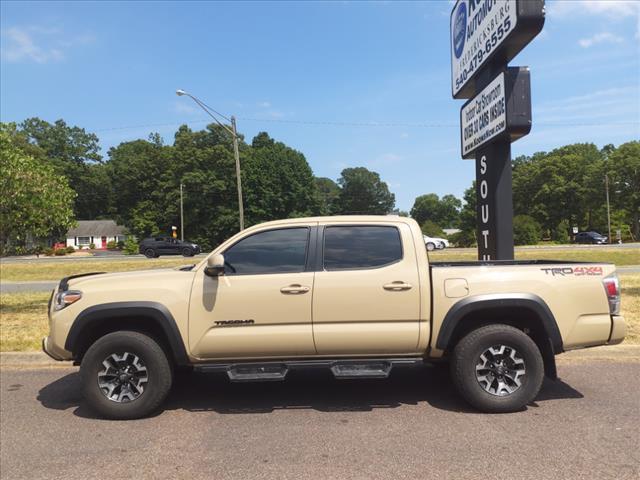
<point x="157" y="313"/>
<point x="509" y="300"/>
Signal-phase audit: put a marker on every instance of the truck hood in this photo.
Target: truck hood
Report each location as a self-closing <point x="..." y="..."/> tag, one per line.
<point x="140" y="278"/>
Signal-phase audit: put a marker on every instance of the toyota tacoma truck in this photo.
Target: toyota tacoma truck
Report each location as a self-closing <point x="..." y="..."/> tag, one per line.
<point x="354" y="294"/>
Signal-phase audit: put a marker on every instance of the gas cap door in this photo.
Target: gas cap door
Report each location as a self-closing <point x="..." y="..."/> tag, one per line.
<point x="456" y="287"/>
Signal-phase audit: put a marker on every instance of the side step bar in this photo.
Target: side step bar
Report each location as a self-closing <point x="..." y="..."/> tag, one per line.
<point x="277" y="371"/>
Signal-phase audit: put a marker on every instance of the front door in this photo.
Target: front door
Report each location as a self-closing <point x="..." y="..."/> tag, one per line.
<point x="261" y="306"/>
<point x="103" y="242"/>
<point x="366" y="298"/>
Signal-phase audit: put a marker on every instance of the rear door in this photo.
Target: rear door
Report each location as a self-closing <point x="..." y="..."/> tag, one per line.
<point x="366" y="297"/>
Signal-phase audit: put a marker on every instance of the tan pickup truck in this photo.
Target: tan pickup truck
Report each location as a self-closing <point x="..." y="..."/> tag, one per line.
<point x="354" y="294"/>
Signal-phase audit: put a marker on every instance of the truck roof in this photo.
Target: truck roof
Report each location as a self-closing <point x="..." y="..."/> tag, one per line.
<point x="341" y="219"/>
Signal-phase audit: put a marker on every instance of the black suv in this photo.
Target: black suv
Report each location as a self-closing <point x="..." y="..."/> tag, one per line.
<point x="590" y="237"/>
<point x="154" y="247"/>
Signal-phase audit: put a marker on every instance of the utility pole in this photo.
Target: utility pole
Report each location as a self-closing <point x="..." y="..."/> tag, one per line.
<point x="606" y="186"/>
<point x="238" y="179"/>
<point x="236" y="153"/>
<point x="181" y="215"/>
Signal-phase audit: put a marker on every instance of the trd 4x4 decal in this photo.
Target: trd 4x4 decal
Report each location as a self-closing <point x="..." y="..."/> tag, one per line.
<point x="575" y="271"/>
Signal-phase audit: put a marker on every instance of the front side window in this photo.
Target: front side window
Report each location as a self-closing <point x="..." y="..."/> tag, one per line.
<point x="273" y="251"/>
<point x="353" y="247"/>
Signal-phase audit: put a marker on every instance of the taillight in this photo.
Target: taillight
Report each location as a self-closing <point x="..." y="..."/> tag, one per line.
<point x="612" y="288"/>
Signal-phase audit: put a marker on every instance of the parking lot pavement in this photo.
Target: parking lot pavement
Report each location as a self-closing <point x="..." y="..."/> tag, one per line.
<point x="412" y="425"/>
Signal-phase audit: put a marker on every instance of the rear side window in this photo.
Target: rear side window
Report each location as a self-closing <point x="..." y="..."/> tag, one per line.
<point x="353" y="247"/>
<point x="273" y="251"/>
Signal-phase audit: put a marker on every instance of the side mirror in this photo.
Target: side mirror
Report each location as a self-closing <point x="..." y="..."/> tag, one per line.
<point x="215" y="265"/>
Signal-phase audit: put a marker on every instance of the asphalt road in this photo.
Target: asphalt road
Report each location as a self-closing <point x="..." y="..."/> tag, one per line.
<point x="410" y="426"/>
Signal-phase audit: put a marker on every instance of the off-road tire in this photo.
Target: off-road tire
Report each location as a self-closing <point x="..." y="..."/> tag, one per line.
<point x="466" y="356"/>
<point x="158" y="370"/>
<point x="150" y="253"/>
<point x="431" y="246"/>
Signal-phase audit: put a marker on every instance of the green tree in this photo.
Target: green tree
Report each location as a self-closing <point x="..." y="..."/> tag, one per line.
<point x="526" y="231"/>
<point x="35" y="202"/>
<point x="564" y="184"/>
<point x="425" y="207"/>
<point x="363" y="192"/>
<point x="442" y="211"/>
<point x="466" y="237"/>
<point x="624" y="174"/>
<point x="137" y="173"/>
<point x="278" y="182"/>
<point x="328" y="193"/>
<point x="73" y="152"/>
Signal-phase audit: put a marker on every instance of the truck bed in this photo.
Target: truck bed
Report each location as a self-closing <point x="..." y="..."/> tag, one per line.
<point x="488" y="263"/>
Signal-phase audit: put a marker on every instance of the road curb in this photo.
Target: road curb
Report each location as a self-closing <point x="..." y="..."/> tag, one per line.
<point x="620" y="353"/>
<point x="30" y="360"/>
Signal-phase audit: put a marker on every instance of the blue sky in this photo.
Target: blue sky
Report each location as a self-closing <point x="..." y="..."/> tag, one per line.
<point x="317" y="76"/>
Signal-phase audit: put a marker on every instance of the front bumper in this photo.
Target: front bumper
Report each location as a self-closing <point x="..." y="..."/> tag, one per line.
<point x="47" y="348"/>
<point x="618" y="330"/>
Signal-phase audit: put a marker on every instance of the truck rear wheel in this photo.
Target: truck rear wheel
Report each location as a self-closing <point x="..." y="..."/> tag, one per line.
<point x="125" y="375"/>
<point x="497" y="369"/>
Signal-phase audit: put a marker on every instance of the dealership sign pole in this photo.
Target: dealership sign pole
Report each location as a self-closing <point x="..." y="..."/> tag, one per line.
<point x="485" y="36"/>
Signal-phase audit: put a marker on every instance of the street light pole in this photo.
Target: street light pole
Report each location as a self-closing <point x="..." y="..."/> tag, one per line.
<point x="181" y="215"/>
<point x="236" y="152"/>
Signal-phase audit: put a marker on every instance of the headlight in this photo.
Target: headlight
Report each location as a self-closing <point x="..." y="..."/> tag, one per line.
<point x="194" y="245"/>
<point x="64" y="299"/>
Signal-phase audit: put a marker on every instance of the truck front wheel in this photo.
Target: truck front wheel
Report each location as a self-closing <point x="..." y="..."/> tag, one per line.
<point x="497" y="368"/>
<point x="125" y="375"/>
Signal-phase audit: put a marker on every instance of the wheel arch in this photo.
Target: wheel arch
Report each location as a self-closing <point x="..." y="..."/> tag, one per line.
<point x="525" y="311"/>
<point x="151" y="318"/>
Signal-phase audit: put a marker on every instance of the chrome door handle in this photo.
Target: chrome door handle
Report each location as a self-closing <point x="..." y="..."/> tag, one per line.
<point x="295" y="289"/>
<point x="397" y="286"/>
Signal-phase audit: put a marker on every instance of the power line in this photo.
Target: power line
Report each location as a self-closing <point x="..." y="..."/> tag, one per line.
<point x="357" y="124"/>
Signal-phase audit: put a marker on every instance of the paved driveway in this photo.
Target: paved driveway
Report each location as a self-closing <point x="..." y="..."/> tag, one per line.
<point x="410" y="426"/>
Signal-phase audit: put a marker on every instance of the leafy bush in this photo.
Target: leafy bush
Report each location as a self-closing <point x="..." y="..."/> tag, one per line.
<point x="432" y="229"/>
<point x="560" y="234"/>
<point x="464" y="238"/>
<point x="60" y="252"/>
<point x="48" y="251"/>
<point x="130" y="246"/>
<point x="120" y="245"/>
<point x="526" y="231"/>
<point x="111" y="245"/>
<point x="92" y="246"/>
<point x="70" y="249"/>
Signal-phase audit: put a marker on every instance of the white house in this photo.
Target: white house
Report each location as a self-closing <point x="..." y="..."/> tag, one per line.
<point x="98" y="232"/>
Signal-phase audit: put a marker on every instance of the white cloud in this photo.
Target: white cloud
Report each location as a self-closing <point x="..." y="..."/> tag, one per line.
<point x="604" y="37"/>
<point x="38" y="44"/>
<point x="612" y="9"/>
<point x="607" y="108"/>
<point x="264" y="104"/>
<point x="404" y="135"/>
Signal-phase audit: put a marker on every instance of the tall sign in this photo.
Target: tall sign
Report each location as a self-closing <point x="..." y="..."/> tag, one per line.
<point x="485" y="35"/>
